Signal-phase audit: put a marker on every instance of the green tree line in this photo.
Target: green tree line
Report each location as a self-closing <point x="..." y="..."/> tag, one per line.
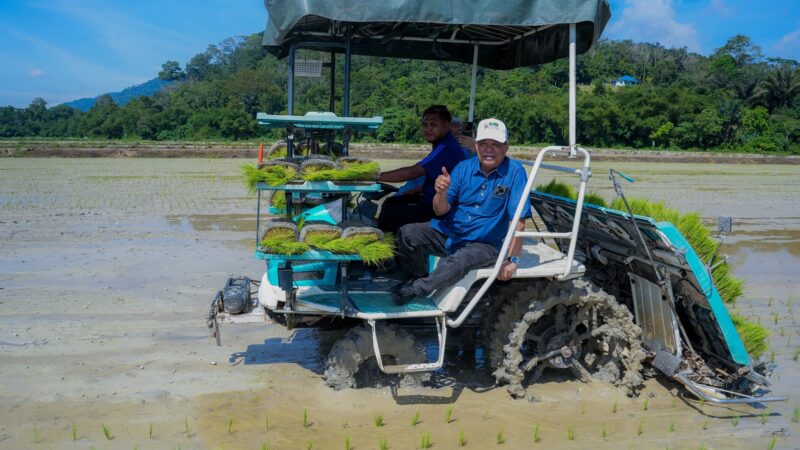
<point x="735" y="99"/>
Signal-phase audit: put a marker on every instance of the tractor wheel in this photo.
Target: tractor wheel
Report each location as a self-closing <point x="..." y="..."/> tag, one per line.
<point x="351" y="362"/>
<point x="507" y="302"/>
<point x="569" y="325"/>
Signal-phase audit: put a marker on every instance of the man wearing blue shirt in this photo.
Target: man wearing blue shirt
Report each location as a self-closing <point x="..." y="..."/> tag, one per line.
<point x="475" y="204"/>
<point x="399" y="210"/>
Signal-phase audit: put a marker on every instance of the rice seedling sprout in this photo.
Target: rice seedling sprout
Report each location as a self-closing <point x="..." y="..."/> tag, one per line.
<point x="266" y="422"/>
<point x="537" y="435"/>
<point x="764" y="417"/>
<point x="309" y="445"/>
<point x="796" y="354"/>
<point x="383" y="444"/>
<point x="347" y="443"/>
<point x="644" y="404"/>
<point x="604" y="432"/>
<point x="230" y="425"/>
<point x="425" y="441"/>
<point x="772" y="442"/>
<point x="74" y="430"/>
<point x="570" y="433"/>
<point x="500" y="439"/>
<point x="150" y="431"/>
<point x="640" y="429"/>
<point x="448" y="417"/>
<point x="462" y="441"/>
<point x="107" y="432"/>
<point x="378" y="421"/>
<point x="37" y="435"/>
<point x="735" y="420"/>
<point x="305" y="418"/>
<point x="187" y="429"/>
<point x="614" y="407"/>
<point x="671" y="428"/>
<point x="415" y="419"/>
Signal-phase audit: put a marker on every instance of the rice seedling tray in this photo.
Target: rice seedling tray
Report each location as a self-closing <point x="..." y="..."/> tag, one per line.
<point x="323" y="186"/>
<point x="311" y="255"/>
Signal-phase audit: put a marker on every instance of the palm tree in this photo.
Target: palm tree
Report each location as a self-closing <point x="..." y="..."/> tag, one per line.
<point x="779" y="88"/>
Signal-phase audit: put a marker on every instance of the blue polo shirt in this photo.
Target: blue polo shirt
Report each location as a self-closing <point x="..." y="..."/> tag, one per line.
<point x="481" y="206"/>
<point x="447" y="153"/>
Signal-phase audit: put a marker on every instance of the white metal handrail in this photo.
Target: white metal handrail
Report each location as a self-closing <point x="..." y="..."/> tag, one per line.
<point x="584" y="173"/>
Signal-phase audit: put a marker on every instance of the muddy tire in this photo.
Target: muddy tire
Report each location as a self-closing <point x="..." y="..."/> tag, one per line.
<point x="351" y="362"/>
<point x="570" y="325"/>
<point x="501" y="311"/>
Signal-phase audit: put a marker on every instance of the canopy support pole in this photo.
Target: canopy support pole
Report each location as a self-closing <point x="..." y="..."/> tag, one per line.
<point x="333" y="82"/>
<point x="290" y="87"/>
<point x="572" y="82"/>
<point x="472" y="83"/>
<point x="346" y="99"/>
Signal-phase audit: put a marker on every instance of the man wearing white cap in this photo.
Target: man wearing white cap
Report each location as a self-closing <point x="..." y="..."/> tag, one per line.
<point x="475" y="204"/>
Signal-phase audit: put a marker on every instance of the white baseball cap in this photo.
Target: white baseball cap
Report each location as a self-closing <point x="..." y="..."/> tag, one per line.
<point x="493" y="129"/>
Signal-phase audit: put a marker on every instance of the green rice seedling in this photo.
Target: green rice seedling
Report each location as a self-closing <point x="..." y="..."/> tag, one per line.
<point x="378" y="252"/>
<point x="425" y="440"/>
<point x="347" y="443"/>
<point x="378" y="421"/>
<point x="537" y="435"/>
<point x="595" y="199"/>
<point x="735" y="420"/>
<point x="640" y="428"/>
<point x="500" y="439"/>
<point x="264" y="446"/>
<point x="604" y="432"/>
<point x="764" y="417"/>
<point x="150" y="431"/>
<point x="448" y="416"/>
<point x="796" y="415"/>
<point x="772" y="356"/>
<point x="614" y="407"/>
<point x="306" y="423"/>
<point x="754" y="336"/>
<point x="671" y="428"/>
<point x="702" y="447"/>
<point x="344" y="423"/>
<point x="309" y="445"/>
<point x="383" y="443"/>
<point x="278" y="200"/>
<point x="37" y="435"/>
<point x="772" y="442"/>
<point x="318" y="239"/>
<point x="107" y="432"/>
<point x="570" y="433"/>
<point x="74" y="430"/>
<point x="275" y="175"/>
<point x="415" y="419"/>
<point x="554" y="187"/>
<point x="230" y="425"/>
<point x="352" y="172"/>
<point x="187" y="429"/>
<point x="796" y="354"/>
<point x="462" y="441"/>
<point x="769" y="303"/>
<point x="705" y="424"/>
<point x="282" y="241"/>
<point x="780" y="331"/>
<point x="774" y="319"/>
<point x="645" y="403"/>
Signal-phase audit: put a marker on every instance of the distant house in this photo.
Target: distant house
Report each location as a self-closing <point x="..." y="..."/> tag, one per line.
<point x="625" y="80"/>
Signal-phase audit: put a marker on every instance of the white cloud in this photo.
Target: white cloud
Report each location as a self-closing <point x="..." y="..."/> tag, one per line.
<point x="36" y="73"/>
<point x="789" y="45"/>
<point x="721" y="8"/>
<point x="654" y="21"/>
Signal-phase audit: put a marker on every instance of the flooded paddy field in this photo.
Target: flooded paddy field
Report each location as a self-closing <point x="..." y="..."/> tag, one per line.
<point x="108" y="266"/>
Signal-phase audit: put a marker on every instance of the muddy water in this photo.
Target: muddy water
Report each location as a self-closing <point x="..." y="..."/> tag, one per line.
<point x="107" y="267"/>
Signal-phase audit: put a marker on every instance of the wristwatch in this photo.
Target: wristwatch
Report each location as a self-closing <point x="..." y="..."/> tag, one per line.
<point x="513" y="259"/>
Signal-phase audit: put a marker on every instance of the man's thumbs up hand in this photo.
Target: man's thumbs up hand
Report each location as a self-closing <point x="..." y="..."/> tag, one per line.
<point x="442" y="181"/>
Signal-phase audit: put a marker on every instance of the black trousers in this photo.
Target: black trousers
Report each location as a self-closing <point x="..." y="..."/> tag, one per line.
<point x="416" y="241"/>
<point x="399" y="210"/>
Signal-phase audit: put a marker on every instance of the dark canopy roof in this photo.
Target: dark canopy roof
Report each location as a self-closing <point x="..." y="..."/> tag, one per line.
<point x="511" y="33"/>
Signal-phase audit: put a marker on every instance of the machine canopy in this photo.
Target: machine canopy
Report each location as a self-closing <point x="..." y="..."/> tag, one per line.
<point x="509" y="33"/>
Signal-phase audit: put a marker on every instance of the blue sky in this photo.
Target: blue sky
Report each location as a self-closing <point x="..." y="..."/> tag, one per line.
<point x="62" y="50"/>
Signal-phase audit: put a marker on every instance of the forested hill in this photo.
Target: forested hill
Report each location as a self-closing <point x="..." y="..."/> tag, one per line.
<point x="122" y="97"/>
<point x="735" y="99"/>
